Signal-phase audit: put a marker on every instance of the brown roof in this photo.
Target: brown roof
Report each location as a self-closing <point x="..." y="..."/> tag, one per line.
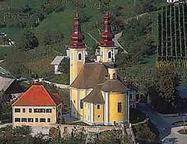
<point x="95" y="96"/>
<point x="113" y="85"/>
<point x="90" y="75"/>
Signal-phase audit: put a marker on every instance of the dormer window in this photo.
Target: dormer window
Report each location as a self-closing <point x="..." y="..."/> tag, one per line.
<point x="79" y="56"/>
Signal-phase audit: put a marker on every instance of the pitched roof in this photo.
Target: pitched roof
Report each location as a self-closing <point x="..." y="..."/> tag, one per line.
<point x="57" y="60"/>
<point x="90" y="75"/>
<point x="95" y="96"/>
<point x="113" y="85"/>
<point x="36" y="95"/>
<point x="5" y="83"/>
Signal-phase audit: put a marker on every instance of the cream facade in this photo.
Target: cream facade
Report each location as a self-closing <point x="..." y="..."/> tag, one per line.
<point x="34" y="116"/>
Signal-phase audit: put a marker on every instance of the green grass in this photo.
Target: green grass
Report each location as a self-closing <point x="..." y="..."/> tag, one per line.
<point x="4" y="51"/>
<point x="38" y="60"/>
<point x="20" y="3"/>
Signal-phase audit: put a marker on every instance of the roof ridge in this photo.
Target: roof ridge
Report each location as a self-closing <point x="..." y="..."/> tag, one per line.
<point x="50" y="95"/>
<point x="22" y="95"/>
<point x="39" y="88"/>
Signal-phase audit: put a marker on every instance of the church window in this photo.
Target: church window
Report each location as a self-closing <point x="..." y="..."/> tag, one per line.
<point x="98" y="106"/>
<point x="130" y="96"/>
<point x="119" y="107"/>
<point x="109" y="55"/>
<point x="81" y="104"/>
<point x="79" y="56"/>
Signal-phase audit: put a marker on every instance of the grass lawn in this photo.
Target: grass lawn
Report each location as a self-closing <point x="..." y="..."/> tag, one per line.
<point x="38" y="60"/>
<point x="4" y="51"/>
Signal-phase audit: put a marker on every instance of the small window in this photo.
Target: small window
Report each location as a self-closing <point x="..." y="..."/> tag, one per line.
<point x="39" y="110"/>
<point x="30" y="110"/>
<point x="98" y="116"/>
<point x="30" y="119"/>
<point x="42" y="119"/>
<point x="17" y="110"/>
<point x="48" y="120"/>
<point x="36" y="119"/>
<point x="119" y="107"/>
<point x="81" y="104"/>
<point x="23" y="110"/>
<point x="79" y="56"/>
<point x="17" y="119"/>
<point x="48" y="110"/>
<point x="109" y="55"/>
<point x="98" y="106"/>
<point x="24" y="120"/>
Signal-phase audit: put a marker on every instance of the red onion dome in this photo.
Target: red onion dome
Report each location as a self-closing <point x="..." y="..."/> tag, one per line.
<point x="107" y="36"/>
<point x="77" y="38"/>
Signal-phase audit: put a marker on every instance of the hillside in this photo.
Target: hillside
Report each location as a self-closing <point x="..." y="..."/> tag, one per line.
<point x="48" y="24"/>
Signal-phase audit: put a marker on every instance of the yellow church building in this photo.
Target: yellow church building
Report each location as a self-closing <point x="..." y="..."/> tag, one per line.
<point x="98" y="96"/>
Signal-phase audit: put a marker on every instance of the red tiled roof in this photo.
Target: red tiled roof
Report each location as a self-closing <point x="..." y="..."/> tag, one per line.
<point x="36" y="95"/>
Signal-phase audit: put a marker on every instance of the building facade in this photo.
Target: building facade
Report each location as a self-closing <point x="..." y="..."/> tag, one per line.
<point x="37" y="107"/>
<point x="98" y="96"/>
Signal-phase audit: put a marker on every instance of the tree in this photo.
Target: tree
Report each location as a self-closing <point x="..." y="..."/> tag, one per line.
<point x="51" y="38"/>
<point x="163" y="94"/>
<point x="28" y="41"/>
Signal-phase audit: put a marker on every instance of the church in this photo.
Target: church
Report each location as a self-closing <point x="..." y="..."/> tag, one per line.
<point x="98" y="95"/>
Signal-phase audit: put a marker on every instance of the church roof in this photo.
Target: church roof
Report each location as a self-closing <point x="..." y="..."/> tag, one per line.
<point x="37" y="95"/>
<point x="113" y="85"/>
<point x="95" y="96"/>
<point x="90" y="75"/>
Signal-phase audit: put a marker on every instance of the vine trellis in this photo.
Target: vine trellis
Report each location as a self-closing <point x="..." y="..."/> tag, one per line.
<point x="172" y="35"/>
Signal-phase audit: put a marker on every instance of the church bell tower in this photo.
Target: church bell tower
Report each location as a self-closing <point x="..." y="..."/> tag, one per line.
<point x="77" y="49"/>
<point x="107" y="47"/>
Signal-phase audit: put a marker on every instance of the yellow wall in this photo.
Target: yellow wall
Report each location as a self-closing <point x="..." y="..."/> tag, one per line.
<point x="74" y="102"/>
<point x="75" y="94"/>
<point x="75" y="64"/>
<point x="98" y="112"/>
<point x="27" y="114"/>
<point x="114" y="115"/>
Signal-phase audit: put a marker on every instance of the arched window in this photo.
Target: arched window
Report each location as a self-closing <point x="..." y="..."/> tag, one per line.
<point x="79" y="56"/>
<point x="109" y="55"/>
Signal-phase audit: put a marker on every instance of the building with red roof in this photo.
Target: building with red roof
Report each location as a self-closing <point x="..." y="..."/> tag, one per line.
<point x="37" y="107"/>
